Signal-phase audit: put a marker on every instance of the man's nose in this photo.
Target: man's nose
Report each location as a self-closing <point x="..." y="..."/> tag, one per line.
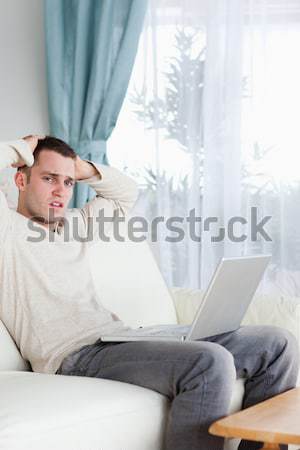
<point x="59" y="189"/>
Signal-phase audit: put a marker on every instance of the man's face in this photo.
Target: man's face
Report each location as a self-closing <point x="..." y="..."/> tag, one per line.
<point x="50" y="187"/>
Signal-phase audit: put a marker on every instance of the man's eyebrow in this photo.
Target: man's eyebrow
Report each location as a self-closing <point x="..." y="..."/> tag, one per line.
<point x="57" y="175"/>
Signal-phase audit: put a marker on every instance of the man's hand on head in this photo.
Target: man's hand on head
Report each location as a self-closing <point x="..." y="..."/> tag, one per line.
<point x="32" y="141"/>
<point x="84" y="169"/>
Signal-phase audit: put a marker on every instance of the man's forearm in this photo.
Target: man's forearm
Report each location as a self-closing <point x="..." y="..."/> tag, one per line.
<point x="85" y="170"/>
<point x="112" y="187"/>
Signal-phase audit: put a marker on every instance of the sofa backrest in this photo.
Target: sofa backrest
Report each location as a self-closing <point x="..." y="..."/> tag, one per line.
<point x="129" y="284"/>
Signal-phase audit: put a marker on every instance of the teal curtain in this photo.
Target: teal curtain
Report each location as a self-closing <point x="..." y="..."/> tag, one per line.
<point x="90" y="50"/>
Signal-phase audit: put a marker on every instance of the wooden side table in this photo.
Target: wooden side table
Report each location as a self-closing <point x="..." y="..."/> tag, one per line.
<point x="274" y="421"/>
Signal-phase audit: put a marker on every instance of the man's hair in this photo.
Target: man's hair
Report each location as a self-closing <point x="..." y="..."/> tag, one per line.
<point x="52" y="144"/>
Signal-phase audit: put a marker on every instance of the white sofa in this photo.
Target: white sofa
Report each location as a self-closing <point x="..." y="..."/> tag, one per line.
<point x="56" y="412"/>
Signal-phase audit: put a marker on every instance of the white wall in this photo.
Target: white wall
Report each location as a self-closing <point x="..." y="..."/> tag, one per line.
<point x="23" y="97"/>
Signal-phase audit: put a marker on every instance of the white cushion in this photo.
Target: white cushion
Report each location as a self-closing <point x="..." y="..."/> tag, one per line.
<point x="130" y="284"/>
<point x="186" y="303"/>
<point x="275" y="310"/>
<point x="54" y="412"/>
<point x="49" y="412"/>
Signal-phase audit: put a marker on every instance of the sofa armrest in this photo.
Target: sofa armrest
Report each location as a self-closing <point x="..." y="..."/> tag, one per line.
<point x="275" y="310"/>
<point x="263" y="310"/>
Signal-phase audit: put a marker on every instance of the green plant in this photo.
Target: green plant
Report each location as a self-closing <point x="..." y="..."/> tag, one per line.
<point x="179" y="112"/>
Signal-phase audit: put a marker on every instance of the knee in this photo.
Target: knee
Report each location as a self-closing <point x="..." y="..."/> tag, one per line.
<point x="288" y="343"/>
<point x="219" y="364"/>
<point x="281" y="342"/>
<point x="222" y="361"/>
<point x="281" y="339"/>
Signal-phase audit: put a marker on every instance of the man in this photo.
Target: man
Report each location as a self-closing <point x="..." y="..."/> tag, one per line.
<point x="49" y="305"/>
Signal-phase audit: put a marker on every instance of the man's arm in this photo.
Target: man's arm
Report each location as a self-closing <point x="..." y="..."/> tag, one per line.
<point x="14" y="154"/>
<point x="84" y="170"/>
<point x="115" y="193"/>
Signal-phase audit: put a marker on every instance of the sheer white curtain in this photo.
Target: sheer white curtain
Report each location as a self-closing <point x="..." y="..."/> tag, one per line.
<point x="271" y="137"/>
<point x="211" y="125"/>
<point x="222" y="130"/>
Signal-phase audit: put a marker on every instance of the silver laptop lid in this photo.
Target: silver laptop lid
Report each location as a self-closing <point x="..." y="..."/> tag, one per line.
<point x="228" y="295"/>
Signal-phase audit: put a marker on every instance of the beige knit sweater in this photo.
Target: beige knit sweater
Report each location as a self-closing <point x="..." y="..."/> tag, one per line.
<point x="48" y="302"/>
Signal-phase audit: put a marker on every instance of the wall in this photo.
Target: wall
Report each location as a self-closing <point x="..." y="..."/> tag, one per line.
<point x="23" y="92"/>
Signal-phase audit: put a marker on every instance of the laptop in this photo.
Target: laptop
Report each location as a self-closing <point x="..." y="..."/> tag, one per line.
<point x="221" y="310"/>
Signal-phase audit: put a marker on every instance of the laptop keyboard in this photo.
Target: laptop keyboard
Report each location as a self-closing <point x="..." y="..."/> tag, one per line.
<point x="162" y="330"/>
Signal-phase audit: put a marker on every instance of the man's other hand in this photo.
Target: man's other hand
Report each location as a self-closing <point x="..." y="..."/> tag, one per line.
<point x="84" y="169"/>
<point x="32" y="141"/>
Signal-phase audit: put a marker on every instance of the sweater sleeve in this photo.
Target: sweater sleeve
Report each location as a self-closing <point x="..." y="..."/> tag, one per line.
<point x="116" y="194"/>
<point x="11" y="153"/>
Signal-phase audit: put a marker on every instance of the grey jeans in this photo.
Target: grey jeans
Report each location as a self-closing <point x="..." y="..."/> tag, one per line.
<point x="198" y="377"/>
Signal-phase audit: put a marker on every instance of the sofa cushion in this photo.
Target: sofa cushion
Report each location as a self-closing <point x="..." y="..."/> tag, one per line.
<point x="282" y="311"/>
<point x="129" y="283"/>
<point x="54" y="412"/>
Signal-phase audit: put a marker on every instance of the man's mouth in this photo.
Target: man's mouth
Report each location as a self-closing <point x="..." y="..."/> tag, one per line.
<point x="56" y="204"/>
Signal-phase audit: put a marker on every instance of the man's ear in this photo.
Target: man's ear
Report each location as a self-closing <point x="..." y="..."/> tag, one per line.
<point x="21" y="180"/>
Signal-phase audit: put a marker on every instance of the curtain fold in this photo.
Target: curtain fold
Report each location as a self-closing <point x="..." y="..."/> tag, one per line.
<point x="222" y="104"/>
<point x="90" y="50"/>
